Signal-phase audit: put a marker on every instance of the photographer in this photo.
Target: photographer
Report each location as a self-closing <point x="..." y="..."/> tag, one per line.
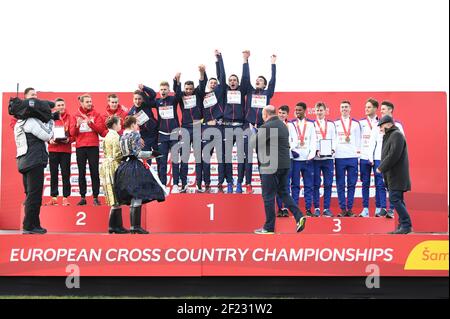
<point x="33" y="128"/>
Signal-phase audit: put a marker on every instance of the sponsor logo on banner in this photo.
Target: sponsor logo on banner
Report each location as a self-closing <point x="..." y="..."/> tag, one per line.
<point x="428" y="255"/>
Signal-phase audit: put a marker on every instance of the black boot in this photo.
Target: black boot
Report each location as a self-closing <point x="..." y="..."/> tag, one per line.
<point x="135" y="218"/>
<point x="115" y="221"/>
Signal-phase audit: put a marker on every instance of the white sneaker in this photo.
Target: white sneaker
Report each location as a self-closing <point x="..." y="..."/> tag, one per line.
<point x="175" y="189"/>
<point x="377" y="211"/>
<point x="364" y="212"/>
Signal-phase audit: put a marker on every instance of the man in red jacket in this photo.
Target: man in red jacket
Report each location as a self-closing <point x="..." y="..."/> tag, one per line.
<point x="86" y="128"/>
<point x="59" y="153"/>
<point x="114" y="108"/>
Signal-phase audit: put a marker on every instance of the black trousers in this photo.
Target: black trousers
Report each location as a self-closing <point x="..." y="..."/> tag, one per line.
<point x="56" y="160"/>
<point x="91" y="154"/>
<point x="275" y="185"/>
<point x="34" y="184"/>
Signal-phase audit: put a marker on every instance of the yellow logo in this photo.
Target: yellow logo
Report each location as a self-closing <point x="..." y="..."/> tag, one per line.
<point x="429" y="255"/>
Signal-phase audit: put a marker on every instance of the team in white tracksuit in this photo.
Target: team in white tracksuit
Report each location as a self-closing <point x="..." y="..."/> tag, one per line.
<point x="303" y="148"/>
<point x="346" y="160"/>
<point x="368" y="125"/>
<point x="325" y="130"/>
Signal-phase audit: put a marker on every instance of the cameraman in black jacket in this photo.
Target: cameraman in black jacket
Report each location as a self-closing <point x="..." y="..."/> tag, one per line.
<point x="33" y="128"/>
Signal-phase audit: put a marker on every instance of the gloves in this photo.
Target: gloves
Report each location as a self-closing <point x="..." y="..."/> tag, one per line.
<point x="295" y="154"/>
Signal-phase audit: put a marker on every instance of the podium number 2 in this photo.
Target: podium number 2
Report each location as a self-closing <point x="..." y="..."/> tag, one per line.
<point x="81" y="217"/>
<point x="211" y="211"/>
<point x="337" y="225"/>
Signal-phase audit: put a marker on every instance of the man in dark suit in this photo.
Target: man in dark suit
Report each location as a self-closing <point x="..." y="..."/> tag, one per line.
<point x="394" y="166"/>
<point x="273" y="155"/>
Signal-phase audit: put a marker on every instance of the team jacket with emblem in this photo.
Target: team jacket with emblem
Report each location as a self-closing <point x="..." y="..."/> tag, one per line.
<point x="65" y="120"/>
<point x="148" y="126"/>
<point x="367" y="127"/>
<point x="257" y="99"/>
<point x="235" y="99"/>
<point x="213" y="102"/>
<point x="87" y="134"/>
<point x="348" y="149"/>
<point x="307" y="151"/>
<point x="121" y="112"/>
<point x="167" y="114"/>
<point x="191" y="105"/>
<point x="330" y="134"/>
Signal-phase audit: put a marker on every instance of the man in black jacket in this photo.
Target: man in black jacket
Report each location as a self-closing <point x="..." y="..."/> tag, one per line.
<point x="274" y="157"/>
<point x="394" y="166"/>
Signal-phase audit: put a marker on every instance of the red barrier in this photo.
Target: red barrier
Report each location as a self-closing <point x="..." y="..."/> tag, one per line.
<point x="418" y="112"/>
<point x="224" y="255"/>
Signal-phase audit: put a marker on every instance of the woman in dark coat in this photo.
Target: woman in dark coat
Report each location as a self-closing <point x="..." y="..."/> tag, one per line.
<point x="133" y="183"/>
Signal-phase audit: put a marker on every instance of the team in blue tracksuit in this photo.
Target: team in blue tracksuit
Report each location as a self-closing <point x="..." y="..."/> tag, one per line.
<point x="325" y="130"/>
<point x="168" y="125"/>
<point x="346" y="160"/>
<point x="234" y="119"/>
<point x="192" y="114"/>
<point x="257" y="99"/>
<point x="213" y="106"/>
<point x="148" y="125"/>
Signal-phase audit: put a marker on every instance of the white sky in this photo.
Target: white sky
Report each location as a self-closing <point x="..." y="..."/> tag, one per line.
<point x="322" y="45"/>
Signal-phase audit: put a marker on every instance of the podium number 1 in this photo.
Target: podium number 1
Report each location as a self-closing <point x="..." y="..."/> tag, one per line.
<point x="81" y="217"/>
<point x="211" y="211"/>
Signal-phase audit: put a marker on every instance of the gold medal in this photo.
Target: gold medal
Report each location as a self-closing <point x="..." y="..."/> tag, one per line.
<point x="302" y="143"/>
<point x="347" y="139"/>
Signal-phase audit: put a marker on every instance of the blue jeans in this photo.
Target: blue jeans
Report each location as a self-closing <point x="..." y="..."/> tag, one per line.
<point x="327" y="169"/>
<point x="380" y="188"/>
<point x="306" y="169"/>
<point x="346" y="167"/>
<point x="397" y="200"/>
<point x="272" y="185"/>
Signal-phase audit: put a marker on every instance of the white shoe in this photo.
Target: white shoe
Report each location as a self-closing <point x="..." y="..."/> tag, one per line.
<point x="166" y="190"/>
<point x="364" y="212"/>
<point x="377" y="211"/>
<point x="175" y="189"/>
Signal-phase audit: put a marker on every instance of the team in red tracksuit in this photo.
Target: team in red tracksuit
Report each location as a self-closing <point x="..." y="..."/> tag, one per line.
<point x="86" y="128"/>
<point x="59" y="154"/>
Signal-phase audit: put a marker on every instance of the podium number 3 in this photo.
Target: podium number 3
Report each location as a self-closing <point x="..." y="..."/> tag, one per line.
<point x="81" y="216"/>
<point x="337" y="225"/>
